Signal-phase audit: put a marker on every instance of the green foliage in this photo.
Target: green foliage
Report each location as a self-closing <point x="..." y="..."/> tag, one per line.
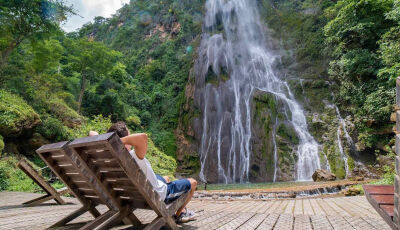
<point x="161" y="163"/>
<point x="28" y="19"/>
<point x="63" y="112"/>
<point x="165" y="141"/>
<point x="287" y="132"/>
<point x="390" y="48"/>
<point x="365" y="59"/>
<point x="83" y="81"/>
<point x="54" y="129"/>
<point x="15" y="114"/>
<point x="13" y="179"/>
<point x="133" y="121"/>
<point x="1" y="144"/>
<point x="46" y="55"/>
<point x="357" y="24"/>
<point x="98" y="123"/>
<point x="378" y="104"/>
<point x="389" y="172"/>
<point x="156" y="58"/>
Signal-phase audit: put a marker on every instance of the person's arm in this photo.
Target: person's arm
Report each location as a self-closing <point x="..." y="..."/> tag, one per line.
<point x="139" y="142"/>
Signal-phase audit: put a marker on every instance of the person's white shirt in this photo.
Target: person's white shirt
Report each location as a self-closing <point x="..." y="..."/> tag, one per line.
<point x="145" y="166"/>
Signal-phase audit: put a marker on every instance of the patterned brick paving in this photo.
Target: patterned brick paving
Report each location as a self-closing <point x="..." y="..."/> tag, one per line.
<point x="309" y="213"/>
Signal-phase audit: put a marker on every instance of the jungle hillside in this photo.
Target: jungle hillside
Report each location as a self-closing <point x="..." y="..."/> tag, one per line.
<point x="138" y="66"/>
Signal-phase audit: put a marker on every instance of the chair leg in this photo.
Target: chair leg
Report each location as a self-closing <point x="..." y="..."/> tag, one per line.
<point x="47" y="197"/>
<point x="71" y="217"/>
<point x="156" y="224"/>
<point x="170" y="222"/>
<point x="105" y="221"/>
<point x="38" y="200"/>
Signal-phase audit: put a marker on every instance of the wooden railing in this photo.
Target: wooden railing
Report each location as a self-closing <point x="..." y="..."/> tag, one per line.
<point x="396" y="214"/>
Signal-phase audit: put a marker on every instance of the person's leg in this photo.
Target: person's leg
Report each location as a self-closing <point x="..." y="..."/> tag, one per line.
<point x="193" y="185"/>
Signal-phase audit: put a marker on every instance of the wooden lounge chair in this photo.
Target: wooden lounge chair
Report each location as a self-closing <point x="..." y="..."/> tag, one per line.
<point x="60" y="159"/>
<point x="118" y="180"/>
<point x="52" y="193"/>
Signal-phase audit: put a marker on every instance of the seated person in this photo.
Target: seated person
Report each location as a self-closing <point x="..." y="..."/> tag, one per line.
<point x="167" y="190"/>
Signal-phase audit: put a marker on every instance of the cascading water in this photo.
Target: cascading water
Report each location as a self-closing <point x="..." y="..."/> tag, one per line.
<point x="342" y="126"/>
<point x="233" y="52"/>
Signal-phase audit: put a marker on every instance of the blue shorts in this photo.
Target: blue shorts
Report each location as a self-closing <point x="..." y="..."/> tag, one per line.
<point x="175" y="188"/>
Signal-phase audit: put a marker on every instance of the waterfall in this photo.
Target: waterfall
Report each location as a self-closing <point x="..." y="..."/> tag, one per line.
<point x="275" y="151"/>
<point x="234" y="62"/>
<point x="342" y="126"/>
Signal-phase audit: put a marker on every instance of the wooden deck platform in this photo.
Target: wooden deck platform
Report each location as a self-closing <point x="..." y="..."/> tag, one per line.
<point x="311" y="213"/>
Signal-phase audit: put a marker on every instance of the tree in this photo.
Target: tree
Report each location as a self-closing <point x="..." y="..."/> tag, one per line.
<point x="28" y="19"/>
<point x="358" y="61"/>
<point x="92" y="60"/>
<point x="46" y="55"/>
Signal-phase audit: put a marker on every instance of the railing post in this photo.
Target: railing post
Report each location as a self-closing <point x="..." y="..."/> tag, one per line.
<point x="396" y="217"/>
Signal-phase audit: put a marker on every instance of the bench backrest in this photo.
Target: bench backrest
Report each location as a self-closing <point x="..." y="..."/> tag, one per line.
<point x="108" y="165"/>
<point x="58" y="157"/>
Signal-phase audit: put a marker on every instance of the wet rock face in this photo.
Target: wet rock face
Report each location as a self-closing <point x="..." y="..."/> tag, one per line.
<point x="323" y="175"/>
<point x="361" y="172"/>
<point x="274" y="141"/>
<point x="263" y="120"/>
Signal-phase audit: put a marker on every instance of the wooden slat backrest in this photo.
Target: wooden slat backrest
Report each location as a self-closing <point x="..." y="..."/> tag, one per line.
<point x="121" y="179"/>
<point x="58" y="157"/>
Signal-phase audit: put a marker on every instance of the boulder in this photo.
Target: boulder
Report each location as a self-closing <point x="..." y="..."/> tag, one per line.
<point x="353" y="191"/>
<point x="37" y="141"/>
<point x="361" y="172"/>
<point x="323" y="175"/>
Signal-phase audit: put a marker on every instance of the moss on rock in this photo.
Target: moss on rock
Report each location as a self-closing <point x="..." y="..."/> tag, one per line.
<point x="64" y="113"/>
<point x="16" y="115"/>
<point x="288" y="133"/>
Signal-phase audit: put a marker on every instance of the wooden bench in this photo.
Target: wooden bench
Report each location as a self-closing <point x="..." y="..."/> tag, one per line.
<point x="381" y="197"/>
<point x="57" y="157"/>
<point x="119" y="181"/>
<point x="99" y="170"/>
<point x="52" y="193"/>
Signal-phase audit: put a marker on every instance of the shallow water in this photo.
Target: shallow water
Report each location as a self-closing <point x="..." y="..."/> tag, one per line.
<point x="270" y="185"/>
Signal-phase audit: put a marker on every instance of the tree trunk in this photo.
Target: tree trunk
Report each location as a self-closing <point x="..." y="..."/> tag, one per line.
<point x="7" y="51"/>
<point x="82" y="92"/>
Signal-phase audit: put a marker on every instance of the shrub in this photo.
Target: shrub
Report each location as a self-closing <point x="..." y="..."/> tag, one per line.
<point x="54" y="129"/>
<point x="15" y="115"/>
<point x="99" y="124"/>
<point x="1" y="144"/>
<point x="63" y="112"/>
<point x="166" y="141"/>
<point x="160" y="162"/>
<point x="13" y="179"/>
<point x="133" y="122"/>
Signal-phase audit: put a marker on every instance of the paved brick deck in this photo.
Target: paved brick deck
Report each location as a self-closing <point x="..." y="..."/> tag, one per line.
<point x="311" y="213"/>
